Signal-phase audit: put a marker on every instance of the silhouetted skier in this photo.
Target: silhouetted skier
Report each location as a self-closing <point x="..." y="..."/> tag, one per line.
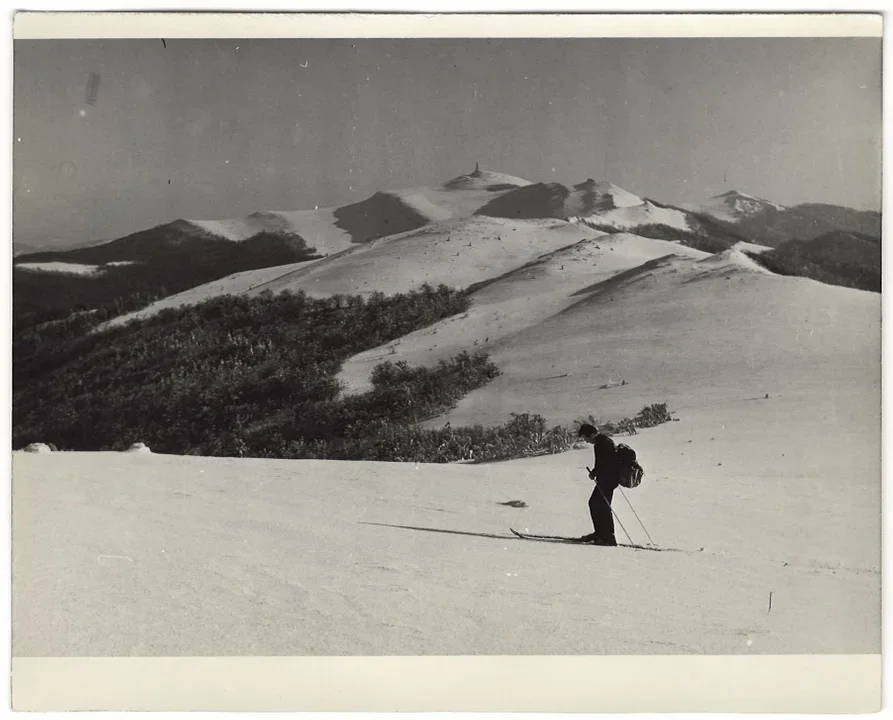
<point x="604" y="472"/>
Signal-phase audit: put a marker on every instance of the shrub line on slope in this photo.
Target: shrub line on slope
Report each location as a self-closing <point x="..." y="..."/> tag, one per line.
<point x="239" y="376"/>
<point x="841" y="265"/>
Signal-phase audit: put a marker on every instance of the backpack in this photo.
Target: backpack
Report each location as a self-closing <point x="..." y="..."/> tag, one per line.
<point x="629" y="472"/>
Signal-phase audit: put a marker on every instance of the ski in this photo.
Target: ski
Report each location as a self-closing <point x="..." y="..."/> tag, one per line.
<point x="577" y="541"/>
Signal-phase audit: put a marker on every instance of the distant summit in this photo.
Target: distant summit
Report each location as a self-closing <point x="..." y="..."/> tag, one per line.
<point x="733" y="206"/>
<point x="485" y="180"/>
<point x="768" y="223"/>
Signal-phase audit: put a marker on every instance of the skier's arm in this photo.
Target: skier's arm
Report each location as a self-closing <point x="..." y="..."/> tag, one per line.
<point x="605" y="446"/>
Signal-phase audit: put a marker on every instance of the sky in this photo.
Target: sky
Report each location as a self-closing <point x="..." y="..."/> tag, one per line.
<point x="213" y="129"/>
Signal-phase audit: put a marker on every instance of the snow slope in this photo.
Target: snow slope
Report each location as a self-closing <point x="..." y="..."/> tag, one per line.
<point x="456" y="252"/>
<point x="520" y="299"/>
<point x="317" y="227"/>
<point x="686" y="332"/>
<point x="629" y="217"/>
<point x="581" y="318"/>
<point x="131" y="554"/>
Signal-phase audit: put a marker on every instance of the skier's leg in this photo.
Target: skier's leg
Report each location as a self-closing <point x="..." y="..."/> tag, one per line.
<point x="595" y="502"/>
<point x="594" y="499"/>
<point x="603" y="518"/>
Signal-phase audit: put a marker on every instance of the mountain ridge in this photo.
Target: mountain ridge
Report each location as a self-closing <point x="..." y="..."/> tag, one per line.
<point x="487" y="192"/>
<point x="474" y="202"/>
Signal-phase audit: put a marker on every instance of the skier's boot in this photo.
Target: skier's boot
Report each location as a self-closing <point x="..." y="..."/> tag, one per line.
<point x="607" y="542"/>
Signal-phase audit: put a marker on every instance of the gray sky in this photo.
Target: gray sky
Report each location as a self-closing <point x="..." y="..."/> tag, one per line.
<point x="209" y="129"/>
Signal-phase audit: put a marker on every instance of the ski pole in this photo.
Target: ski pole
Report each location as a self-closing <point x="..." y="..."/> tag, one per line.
<point x="637" y="516"/>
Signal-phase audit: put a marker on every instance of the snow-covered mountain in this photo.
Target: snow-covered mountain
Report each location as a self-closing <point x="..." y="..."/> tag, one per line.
<point x="765" y="222"/>
<point x="464" y="232"/>
<point x="384" y="213"/>
<point x="603" y="205"/>
<point x="328" y="230"/>
<point x="584" y="200"/>
<point x="733" y="206"/>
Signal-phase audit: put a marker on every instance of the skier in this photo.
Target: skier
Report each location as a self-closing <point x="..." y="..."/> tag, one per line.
<point x="605" y="475"/>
